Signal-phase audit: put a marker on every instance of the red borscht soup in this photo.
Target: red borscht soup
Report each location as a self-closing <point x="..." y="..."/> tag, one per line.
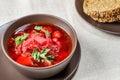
<point x="39" y="45"/>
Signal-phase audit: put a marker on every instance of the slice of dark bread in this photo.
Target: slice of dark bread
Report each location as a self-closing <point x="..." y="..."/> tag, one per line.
<point x="102" y="10"/>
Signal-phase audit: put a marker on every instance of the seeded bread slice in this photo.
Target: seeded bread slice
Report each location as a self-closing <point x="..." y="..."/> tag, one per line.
<point x="102" y="10"/>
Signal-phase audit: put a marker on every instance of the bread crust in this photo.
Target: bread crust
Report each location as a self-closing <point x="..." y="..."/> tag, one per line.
<point x="109" y="19"/>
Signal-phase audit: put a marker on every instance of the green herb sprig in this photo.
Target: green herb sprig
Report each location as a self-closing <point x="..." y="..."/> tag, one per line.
<point x="38" y="55"/>
<point x="45" y="31"/>
<point x="20" y="39"/>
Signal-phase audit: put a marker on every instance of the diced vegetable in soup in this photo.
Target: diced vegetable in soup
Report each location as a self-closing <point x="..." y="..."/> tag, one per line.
<point x="39" y="45"/>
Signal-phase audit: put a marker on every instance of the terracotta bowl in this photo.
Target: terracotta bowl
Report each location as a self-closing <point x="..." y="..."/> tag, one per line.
<point x="39" y="72"/>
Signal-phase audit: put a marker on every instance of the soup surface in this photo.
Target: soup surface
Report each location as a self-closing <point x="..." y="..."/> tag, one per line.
<point x="39" y="45"/>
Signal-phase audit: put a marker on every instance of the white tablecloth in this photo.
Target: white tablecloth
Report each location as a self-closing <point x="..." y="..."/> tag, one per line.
<point x="100" y="56"/>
